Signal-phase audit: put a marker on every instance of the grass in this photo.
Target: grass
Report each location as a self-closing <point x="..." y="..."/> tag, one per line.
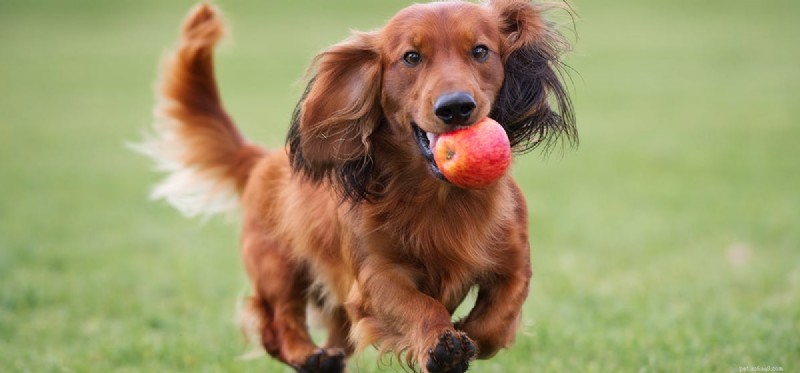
<point x="668" y="241"/>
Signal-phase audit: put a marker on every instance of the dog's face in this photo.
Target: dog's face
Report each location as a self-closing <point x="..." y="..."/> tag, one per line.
<point x="432" y="68"/>
<point x="439" y="72"/>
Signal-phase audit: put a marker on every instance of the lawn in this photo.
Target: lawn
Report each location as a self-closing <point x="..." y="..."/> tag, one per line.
<point x="669" y="240"/>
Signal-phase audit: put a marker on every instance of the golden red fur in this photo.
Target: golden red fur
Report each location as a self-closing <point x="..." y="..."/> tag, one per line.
<point x="353" y="217"/>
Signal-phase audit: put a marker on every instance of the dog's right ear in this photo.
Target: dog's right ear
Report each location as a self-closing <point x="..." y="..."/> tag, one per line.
<point x="334" y="119"/>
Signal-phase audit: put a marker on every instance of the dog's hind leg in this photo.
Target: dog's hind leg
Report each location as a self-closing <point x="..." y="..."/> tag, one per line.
<point x="280" y="285"/>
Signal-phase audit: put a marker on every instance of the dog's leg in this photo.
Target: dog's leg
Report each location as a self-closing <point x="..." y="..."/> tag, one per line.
<point x="338" y="326"/>
<point x="493" y="322"/>
<point x="280" y="285"/>
<point x="389" y="307"/>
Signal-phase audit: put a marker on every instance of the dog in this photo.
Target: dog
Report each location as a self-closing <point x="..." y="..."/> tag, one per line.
<point x="353" y="217"/>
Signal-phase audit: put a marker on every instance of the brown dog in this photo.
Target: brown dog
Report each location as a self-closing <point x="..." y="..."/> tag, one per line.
<point x="354" y="217"/>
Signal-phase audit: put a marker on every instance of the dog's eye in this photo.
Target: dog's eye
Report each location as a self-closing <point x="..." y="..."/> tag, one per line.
<point x="480" y="53"/>
<point x="412" y="58"/>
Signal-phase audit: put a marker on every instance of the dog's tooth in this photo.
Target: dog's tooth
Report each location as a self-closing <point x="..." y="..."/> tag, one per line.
<point x="431" y="139"/>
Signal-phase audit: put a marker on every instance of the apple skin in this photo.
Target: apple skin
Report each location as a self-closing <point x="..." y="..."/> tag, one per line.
<point x="473" y="157"/>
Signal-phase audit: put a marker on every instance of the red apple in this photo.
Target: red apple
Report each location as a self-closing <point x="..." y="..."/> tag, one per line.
<point x="473" y="157"/>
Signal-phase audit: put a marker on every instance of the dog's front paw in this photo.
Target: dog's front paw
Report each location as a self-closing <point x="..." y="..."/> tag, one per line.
<point x="324" y="361"/>
<point x="451" y="354"/>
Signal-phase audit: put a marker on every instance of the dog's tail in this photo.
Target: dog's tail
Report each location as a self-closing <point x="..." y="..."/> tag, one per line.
<point x="195" y="141"/>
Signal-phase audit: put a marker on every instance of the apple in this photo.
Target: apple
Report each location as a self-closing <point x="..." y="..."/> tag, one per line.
<point x="473" y="157"/>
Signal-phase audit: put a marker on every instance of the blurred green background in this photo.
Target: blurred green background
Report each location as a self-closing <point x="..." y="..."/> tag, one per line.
<point x="668" y="241"/>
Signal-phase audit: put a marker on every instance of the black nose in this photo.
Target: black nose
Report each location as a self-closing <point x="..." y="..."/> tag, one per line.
<point x="454" y="107"/>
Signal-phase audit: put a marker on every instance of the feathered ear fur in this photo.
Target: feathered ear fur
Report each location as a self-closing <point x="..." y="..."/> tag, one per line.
<point x="332" y="123"/>
<point x="531" y="55"/>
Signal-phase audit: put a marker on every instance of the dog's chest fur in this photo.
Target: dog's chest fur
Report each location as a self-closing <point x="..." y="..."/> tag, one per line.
<point x="446" y="236"/>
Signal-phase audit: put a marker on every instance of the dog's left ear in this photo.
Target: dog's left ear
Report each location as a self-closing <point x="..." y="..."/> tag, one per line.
<point x="531" y="53"/>
<point x="332" y="124"/>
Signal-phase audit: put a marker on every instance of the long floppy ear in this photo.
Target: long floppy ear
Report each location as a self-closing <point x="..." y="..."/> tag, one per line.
<point x="533" y="78"/>
<point x="332" y="123"/>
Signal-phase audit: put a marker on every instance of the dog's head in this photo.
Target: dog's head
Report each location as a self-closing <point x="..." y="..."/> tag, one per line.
<point x="432" y="68"/>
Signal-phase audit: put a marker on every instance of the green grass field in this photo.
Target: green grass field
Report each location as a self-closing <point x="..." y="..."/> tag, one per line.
<point x="669" y="240"/>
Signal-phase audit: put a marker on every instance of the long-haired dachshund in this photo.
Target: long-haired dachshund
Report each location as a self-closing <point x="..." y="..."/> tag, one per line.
<point x="353" y="217"/>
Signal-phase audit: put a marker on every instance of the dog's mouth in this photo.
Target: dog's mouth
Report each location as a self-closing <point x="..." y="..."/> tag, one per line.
<point x="426" y="141"/>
